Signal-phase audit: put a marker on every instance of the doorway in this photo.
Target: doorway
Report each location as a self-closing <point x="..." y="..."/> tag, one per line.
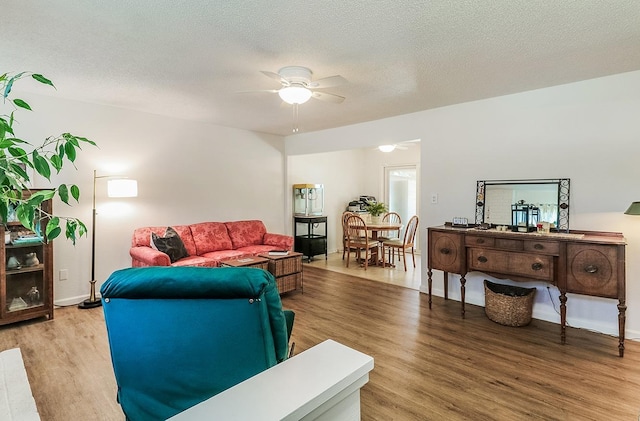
<point x="401" y="191"/>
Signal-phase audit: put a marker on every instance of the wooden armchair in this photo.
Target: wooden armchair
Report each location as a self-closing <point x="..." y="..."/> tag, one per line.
<point x="358" y="240"/>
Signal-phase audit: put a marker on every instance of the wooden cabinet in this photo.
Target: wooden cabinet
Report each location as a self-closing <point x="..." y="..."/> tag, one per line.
<point x="580" y="262"/>
<point x="26" y="274"/>
<point x="310" y="236"/>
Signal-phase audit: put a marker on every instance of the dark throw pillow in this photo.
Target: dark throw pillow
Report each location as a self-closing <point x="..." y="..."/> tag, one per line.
<point x="171" y="244"/>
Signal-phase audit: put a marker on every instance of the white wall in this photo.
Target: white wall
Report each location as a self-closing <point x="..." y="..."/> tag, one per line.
<point x="587" y="131"/>
<point x="346" y="175"/>
<point x="187" y="172"/>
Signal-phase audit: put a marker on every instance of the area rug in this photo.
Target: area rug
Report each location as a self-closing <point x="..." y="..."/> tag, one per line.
<point x="16" y="400"/>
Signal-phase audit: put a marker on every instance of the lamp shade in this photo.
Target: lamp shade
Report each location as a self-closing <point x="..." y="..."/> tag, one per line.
<point x="634" y="209"/>
<point x="294" y="94"/>
<point x="122" y="187"/>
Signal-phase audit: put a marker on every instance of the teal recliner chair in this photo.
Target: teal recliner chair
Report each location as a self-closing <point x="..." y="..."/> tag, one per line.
<point x="179" y="335"/>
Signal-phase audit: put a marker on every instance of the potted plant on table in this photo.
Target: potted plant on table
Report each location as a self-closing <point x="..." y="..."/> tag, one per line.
<point x="376" y="210"/>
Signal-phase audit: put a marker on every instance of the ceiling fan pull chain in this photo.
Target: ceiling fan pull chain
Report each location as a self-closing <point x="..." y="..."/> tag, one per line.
<point x="295" y="118"/>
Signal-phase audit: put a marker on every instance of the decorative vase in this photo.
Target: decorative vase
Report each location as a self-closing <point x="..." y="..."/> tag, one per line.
<point x="31" y="259"/>
<point x="376" y="219"/>
<point x="13" y="263"/>
<point x="33" y="296"/>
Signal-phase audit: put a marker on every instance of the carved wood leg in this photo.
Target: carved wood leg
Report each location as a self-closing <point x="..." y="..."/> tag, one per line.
<point x="463" y="281"/>
<point x="429" y="283"/>
<point x="446" y="285"/>
<point x="563" y="317"/>
<point x="622" y="308"/>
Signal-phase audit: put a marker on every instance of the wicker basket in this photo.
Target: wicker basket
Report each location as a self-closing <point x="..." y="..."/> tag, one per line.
<point x="289" y="282"/>
<point x="508" y="305"/>
<point x="285" y="266"/>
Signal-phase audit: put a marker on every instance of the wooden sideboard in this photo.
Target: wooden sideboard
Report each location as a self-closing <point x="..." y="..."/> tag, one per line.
<point x="580" y="262"/>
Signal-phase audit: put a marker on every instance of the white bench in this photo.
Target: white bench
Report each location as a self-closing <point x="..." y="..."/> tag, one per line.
<point x="16" y="400"/>
<point x="322" y="383"/>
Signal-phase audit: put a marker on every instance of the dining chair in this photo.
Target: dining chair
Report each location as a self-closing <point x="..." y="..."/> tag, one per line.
<point x="358" y="240"/>
<point x="407" y="243"/>
<point x="345" y="215"/>
<point x="394" y="218"/>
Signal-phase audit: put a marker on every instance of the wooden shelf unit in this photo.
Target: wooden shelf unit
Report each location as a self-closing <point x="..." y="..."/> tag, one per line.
<point x="26" y="292"/>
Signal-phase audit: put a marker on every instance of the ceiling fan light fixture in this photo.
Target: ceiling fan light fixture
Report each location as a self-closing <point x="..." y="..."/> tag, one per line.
<point x="386" y="148"/>
<point x="294" y="94"/>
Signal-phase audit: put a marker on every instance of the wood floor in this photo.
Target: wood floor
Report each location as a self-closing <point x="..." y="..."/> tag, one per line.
<point x="429" y="364"/>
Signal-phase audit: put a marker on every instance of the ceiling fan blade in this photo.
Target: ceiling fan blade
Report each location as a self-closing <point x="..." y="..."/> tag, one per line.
<point x="325" y="96"/>
<point x="328" y="82"/>
<point x="271" y="91"/>
<point x="275" y="76"/>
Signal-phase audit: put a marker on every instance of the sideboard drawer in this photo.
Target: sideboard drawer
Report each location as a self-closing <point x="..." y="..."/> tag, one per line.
<point x="546" y="247"/>
<point x="508" y="244"/>
<point x="478" y="240"/>
<point x="517" y="264"/>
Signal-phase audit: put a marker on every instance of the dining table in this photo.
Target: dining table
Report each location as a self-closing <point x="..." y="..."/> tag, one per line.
<point x="382" y="227"/>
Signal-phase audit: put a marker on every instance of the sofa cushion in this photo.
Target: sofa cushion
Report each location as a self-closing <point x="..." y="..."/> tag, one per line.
<point x="210" y="236"/>
<point x="142" y="236"/>
<point x="246" y="233"/>
<point x="170" y="244"/>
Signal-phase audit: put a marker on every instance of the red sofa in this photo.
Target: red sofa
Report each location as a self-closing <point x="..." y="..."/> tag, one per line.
<point x="208" y="243"/>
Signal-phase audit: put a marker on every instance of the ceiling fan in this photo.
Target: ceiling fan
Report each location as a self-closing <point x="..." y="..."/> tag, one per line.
<point x="298" y="87"/>
<point x="400" y="146"/>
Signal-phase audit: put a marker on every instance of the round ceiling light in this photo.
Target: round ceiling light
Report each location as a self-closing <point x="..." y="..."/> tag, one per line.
<point x="386" y="148"/>
<point x="294" y="94"/>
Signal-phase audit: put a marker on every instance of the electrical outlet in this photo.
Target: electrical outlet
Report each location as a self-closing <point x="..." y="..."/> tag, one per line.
<point x="434" y="198"/>
<point x="63" y="275"/>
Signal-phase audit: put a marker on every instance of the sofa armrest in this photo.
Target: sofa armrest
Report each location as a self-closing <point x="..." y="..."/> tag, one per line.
<point x="321" y="383"/>
<point x="283" y="242"/>
<point x="146" y="256"/>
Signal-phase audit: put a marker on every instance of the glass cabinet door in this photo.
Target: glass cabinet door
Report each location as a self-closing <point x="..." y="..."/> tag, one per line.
<point x="24" y="277"/>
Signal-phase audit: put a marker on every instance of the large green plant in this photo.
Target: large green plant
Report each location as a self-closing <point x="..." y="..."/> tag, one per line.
<point x="17" y="157"/>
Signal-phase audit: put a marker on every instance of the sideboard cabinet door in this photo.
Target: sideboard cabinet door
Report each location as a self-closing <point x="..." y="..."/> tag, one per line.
<point x="593" y="269"/>
<point x="447" y="252"/>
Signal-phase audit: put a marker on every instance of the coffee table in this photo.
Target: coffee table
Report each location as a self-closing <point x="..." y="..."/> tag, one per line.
<point x="287" y="269"/>
<point x="247" y="261"/>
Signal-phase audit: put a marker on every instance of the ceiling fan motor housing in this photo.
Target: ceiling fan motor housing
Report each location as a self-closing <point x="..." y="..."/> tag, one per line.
<point x="296" y="75"/>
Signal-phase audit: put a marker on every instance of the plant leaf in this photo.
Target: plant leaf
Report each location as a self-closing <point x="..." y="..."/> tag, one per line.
<point x="70" y="230"/>
<point x="70" y="150"/>
<point x="9" y="85"/>
<point x="75" y="192"/>
<point x="42" y="79"/>
<point x="53" y="228"/>
<point x="41" y="165"/>
<point x="56" y="162"/>
<point x="25" y="214"/>
<point x="22" y="104"/>
<point x="63" y="192"/>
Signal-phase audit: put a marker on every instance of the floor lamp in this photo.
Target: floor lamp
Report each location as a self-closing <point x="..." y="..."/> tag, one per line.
<point x="116" y="187"/>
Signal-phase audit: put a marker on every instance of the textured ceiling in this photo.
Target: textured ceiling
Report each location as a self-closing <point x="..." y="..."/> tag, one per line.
<point x="190" y="59"/>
